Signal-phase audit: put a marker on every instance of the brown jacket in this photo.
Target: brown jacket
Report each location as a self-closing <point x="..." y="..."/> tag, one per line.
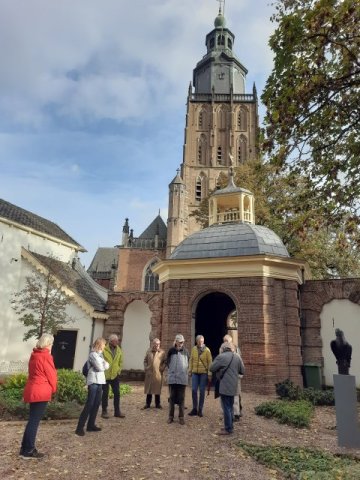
<point x="154" y="366"/>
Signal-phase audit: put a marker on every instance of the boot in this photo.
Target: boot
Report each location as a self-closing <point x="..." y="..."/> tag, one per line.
<point x="105" y="414"/>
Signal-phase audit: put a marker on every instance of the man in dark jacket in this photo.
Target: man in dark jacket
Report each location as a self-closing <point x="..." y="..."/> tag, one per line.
<point x="227" y="366"/>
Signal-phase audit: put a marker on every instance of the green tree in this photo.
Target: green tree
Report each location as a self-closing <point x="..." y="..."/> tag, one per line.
<point x="287" y="204"/>
<point x="41" y="304"/>
<point x="312" y="125"/>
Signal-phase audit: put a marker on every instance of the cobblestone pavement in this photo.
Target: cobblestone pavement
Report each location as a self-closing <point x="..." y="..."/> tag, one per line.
<point x="143" y="446"/>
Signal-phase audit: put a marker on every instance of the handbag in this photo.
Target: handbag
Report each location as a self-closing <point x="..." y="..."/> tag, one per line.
<point x="217" y="381"/>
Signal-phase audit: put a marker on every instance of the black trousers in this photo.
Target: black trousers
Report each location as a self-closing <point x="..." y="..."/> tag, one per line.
<point x="115" y="387"/>
<point x="149" y="398"/>
<point x="177" y="395"/>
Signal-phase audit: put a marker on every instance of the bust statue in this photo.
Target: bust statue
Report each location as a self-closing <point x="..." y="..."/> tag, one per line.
<point x="342" y="351"/>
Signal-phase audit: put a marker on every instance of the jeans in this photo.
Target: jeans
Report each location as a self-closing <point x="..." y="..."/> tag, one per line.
<point x="37" y="410"/>
<point x="227" y="404"/>
<point x="91" y="407"/>
<point x="198" y="381"/>
<point x="177" y="395"/>
<point x="115" y="387"/>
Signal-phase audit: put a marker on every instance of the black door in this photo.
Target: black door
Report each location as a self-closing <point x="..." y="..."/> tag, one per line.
<point x="64" y="347"/>
<point x="211" y="316"/>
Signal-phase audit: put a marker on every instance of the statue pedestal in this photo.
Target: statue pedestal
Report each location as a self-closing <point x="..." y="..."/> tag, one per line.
<point x="347" y="422"/>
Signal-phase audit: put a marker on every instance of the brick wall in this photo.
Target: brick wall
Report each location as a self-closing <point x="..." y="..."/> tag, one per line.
<point x="132" y="262"/>
<point x="269" y="324"/>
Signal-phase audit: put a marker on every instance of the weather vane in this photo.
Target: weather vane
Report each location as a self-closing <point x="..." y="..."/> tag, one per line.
<point x="221" y="2"/>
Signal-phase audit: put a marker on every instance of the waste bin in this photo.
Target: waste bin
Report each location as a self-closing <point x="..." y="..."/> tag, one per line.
<point x="312" y="375"/>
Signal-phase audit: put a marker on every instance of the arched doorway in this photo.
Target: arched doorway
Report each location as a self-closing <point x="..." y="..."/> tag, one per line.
<point x="211" y="316"/>
<point x="136" y="334"/>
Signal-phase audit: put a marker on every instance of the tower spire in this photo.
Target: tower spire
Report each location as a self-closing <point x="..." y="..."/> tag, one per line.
<point x="221" y="7"/>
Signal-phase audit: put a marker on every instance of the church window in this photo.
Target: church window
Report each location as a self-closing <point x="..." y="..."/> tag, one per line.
<point x="212" y="42"/>
<point x="198" y="189"/>
<point x="242" y="149"/>
<point x="201" y="119"/>
<point x="219" y="155"/>
<point x="151" y="283"/>
<point x="201" y="150"/>
<point x="229" y="43"/>
<point x="200" y="153"/>
<point x="242" y="119"/>
<point x="221" y="40"/>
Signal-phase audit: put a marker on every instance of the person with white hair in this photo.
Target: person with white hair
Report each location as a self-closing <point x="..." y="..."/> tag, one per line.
<point x="40" y="386"/>
<point x="200" y="360"/>
<point x="113" y="355"/>
<point x="227" y="366"/>
<point x="238" y="410"/>
<point x="154" y="366"/>
<point x="178" y="365"/>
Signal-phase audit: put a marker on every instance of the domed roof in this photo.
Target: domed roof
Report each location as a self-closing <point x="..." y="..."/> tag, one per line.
<point x="220" y="21"/>
<point x="230" y="240"/>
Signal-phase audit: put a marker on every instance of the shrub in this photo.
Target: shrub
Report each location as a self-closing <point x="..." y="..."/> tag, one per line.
<point x="15" y="381"/>
<point x="288" y="390"/>
<point x="71" y="387"/>
<point x="70" y="396"/>
<point x="305" y="464"/>
<point x="296" y="413"/>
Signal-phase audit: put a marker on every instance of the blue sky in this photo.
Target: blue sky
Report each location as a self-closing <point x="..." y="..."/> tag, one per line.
<point x="92" y="104"/>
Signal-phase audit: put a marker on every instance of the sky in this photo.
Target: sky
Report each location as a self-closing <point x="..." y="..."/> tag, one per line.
<point x="93" y="101"/>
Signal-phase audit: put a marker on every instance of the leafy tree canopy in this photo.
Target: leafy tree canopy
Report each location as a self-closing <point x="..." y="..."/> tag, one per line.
<point x="288" y="204"/>
<point x="41" y="304"/>
<point x="312" y="125"/>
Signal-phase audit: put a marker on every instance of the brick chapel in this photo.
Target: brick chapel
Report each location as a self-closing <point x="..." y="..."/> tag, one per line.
<point x="233" y="276"/>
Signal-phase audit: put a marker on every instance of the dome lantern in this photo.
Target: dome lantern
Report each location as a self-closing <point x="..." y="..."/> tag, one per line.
<point x="231" y="204"/>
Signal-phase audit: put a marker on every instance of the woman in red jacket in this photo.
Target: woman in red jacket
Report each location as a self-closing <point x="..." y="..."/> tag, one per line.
<point x="40" y="386"/>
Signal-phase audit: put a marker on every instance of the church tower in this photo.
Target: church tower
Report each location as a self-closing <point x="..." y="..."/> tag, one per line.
<point x="221" y="123"/>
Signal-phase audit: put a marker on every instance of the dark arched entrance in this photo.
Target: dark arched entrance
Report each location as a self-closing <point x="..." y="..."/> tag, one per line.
<point x="210" y="319"/>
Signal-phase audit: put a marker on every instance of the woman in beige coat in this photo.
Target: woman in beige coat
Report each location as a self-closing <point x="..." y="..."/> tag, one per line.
<point x="154" y="366"/>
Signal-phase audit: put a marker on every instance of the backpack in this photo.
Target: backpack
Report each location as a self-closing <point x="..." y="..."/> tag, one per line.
<point x="86" y="368"/>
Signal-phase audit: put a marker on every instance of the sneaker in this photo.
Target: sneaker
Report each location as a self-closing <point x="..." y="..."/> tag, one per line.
<point x="120" y="415"/>
<point x="104" y="414"/>
<point x="145" y="407"/>
<point x="193" y="412"/>
<point x="33" y="454"/>
<point x="80" y="432"/>
<point x="158" y="406"/>
<point x="170" y="420"/>
<point x="93" y="429"/>
<point x="224" y="432"/>
<point x="181" y="421"/>
<point x="200" y="413"/>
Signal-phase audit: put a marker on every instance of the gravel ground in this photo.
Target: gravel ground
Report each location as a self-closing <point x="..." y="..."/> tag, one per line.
<point x="143" y="446"/>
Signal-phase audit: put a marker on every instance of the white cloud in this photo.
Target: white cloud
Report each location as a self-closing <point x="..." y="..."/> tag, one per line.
<point x="92" y="103"/>
<point x="110" y="59"/>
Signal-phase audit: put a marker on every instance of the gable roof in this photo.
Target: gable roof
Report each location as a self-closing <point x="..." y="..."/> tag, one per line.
<point x="156" y="227"/>
<point x="31" y="221"/>
<point x="104" y="260"/>
<point x="75" y="278"/>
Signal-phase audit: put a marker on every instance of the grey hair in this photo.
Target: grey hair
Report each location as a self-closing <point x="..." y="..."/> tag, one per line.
<point x="198" y="337"/>
<point x="113" y="336"/>
<point x="227" y="346"/>
<point x="45" y="340"/>
<point x="155" y="340"/>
